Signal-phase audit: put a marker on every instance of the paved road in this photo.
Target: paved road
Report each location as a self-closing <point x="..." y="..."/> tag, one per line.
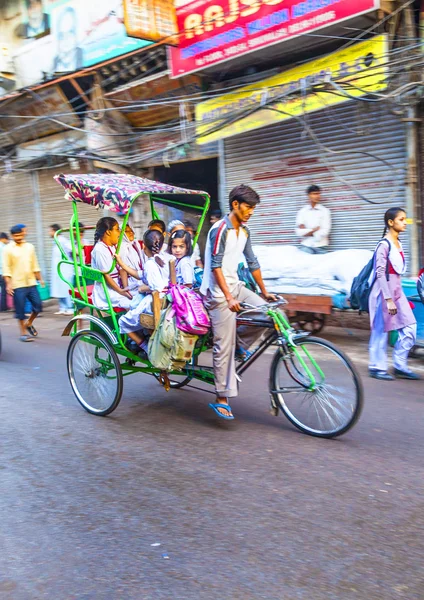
<point x="246" y="510"/>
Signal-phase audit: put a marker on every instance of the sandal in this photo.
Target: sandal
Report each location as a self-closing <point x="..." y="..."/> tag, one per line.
<point x="25" y="338"/>
<point x="227" y="407"/>
<point x="32" y="331"/>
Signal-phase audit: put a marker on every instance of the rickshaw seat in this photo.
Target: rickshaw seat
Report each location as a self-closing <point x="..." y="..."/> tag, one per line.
<point x="87" y="254"/>
<point x="78" y="296"/>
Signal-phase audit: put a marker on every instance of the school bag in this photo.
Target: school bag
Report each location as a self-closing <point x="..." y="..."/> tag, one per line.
<point x="361" y="288"/>
<point x="170" y="348"/>
<point x="245" y="276"/>
<point x="198" y="277"/>
<point x="420" y="285"/>
<point x="190" y="314"/>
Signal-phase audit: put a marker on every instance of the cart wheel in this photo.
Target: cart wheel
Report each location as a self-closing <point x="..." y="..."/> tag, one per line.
<point x="179" y="381"/>
<point x="329" y="408"/>
<point x="311" y="322"/>
<point x="94" y="373"/>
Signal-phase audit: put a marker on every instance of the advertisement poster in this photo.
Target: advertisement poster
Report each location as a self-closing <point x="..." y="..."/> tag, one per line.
<point x="150" y="19"/>
<point x="85" y="33"/>
<point x="36" y="20"/>
<point x="359" y="69"/>
<point x="213" y="31"/>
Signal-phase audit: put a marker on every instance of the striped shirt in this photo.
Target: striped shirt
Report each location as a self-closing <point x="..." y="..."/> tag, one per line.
<point x="225" y="250"/>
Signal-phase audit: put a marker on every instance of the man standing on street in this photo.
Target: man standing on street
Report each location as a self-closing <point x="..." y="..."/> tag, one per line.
<point x="4" y="239"/>
<point x="21" y="272"/>
<point x="228" y="239"/>
<point x="313" y="224"/>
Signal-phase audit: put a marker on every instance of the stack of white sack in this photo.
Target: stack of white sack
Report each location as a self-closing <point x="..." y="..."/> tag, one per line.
<point x="286" y="269"/>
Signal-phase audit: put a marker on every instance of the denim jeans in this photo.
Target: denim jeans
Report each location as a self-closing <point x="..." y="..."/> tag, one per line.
<point x="65" y="303"/>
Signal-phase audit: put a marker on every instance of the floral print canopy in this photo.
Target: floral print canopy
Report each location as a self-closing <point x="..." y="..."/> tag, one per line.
<point x="114" y="192"/>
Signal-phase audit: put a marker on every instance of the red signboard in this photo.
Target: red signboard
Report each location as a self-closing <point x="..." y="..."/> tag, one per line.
<point x="213" y="31"/>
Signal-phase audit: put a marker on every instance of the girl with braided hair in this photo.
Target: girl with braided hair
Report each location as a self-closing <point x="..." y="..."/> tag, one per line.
<point x="153" y="277"/>
<point x="106" y="238"/>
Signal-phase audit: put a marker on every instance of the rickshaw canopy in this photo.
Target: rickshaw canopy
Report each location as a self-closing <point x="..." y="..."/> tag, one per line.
<point x="115" y="192"/>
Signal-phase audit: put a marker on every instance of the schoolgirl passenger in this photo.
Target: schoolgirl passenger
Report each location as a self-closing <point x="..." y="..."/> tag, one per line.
<point x="196" y="259"/>
<point x="180" y="247"/>
<point x="105" y="239"/>
<point x="132" y="254"/>
<point x="153" y="277"/>
<point x="388" y="306"/>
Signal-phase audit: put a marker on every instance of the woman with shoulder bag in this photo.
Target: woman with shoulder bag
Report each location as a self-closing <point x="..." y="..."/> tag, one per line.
<point x="388" y="306"/>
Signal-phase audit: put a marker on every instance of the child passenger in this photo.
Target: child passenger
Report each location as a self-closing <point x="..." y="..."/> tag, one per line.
<point x="105" y="239"/>
<point x="180" y="248"/>
<point x="388" y="306"/>
<point x="153" y="278"/>
<point x="133" y="255"/>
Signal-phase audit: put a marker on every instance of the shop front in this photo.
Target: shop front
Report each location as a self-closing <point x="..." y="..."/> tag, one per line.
<point x="300" y="128"/>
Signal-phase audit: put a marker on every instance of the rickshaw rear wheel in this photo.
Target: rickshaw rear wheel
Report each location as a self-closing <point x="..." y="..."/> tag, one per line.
<point x="95" y="373"/>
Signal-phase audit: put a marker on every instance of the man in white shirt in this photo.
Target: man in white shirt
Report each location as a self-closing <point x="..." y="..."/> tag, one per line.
<point x="313" y="224"/>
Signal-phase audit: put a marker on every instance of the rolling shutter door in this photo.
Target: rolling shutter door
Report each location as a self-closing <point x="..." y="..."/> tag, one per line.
<point x="18" y="205"/>
<point x="282" y="160"/>
<point x="55" y="209"/>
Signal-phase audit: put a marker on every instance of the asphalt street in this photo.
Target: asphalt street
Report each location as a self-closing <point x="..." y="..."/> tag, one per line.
<point x="162" y="500"/>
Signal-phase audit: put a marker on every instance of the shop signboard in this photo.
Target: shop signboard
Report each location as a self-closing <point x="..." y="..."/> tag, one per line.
<point x="214" y="31"/>
<point x="150" y="19"/>
<point x="357" y="70"/>
<point x="80" y="34"/>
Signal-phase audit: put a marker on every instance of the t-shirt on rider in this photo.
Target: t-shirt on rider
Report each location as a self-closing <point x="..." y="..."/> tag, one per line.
<point x="225" y="249"/>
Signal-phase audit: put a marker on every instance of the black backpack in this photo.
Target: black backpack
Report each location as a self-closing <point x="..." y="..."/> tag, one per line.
<point x="361" y="288"/>
<point x="420" y="286"/>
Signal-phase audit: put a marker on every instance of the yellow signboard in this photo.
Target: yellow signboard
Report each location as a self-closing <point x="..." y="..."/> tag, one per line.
<point x="356" y="71"/>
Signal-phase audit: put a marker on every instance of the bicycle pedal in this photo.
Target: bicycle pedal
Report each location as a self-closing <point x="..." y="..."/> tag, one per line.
<point x="273" y="409"/>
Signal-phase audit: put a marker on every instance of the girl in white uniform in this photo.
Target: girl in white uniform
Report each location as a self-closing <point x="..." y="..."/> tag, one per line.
<point x="180" y="247"/>
<point x="105" y="240"/>
<point x="153" y="278"/>
<point x="133" y="255"/>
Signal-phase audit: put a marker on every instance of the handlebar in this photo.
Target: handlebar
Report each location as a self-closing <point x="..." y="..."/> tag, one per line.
<point x="248" y="307"/>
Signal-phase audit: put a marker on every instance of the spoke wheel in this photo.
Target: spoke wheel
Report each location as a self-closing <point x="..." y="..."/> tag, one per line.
<point x="94" y="373"/>
<point x="329" y="408"/>
<point x="179" y="381"/>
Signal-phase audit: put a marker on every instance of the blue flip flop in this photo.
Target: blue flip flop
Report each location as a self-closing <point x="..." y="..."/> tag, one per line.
<point x="215" y="407"/>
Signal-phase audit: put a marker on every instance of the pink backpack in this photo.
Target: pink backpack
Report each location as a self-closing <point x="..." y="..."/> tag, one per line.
<point x="190" y="314"/>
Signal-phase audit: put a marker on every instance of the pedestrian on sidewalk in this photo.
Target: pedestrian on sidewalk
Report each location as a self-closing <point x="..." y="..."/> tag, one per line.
<point x="4" y="240"/>
<point x="388" y="306"/>
<point x="58" y="288"/>
<point x="21" y="272"/>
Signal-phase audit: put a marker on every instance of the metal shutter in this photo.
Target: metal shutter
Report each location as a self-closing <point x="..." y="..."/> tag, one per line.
<point x="55" y="209"/>
<point x="281" y="161"/>
<point x="18" y="205"/>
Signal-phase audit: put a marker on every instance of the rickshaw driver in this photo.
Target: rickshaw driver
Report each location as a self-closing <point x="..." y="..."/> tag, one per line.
<point x="223" y="292"/>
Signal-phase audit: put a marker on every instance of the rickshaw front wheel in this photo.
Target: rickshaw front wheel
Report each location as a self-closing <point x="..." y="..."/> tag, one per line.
<point x="94" y="373"/>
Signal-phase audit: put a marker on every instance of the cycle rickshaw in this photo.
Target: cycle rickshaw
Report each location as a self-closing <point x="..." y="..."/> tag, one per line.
<point x="310" y="380"/>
